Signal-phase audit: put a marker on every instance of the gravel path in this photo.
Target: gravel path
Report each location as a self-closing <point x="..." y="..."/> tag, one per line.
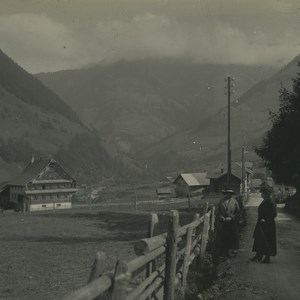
<point x="242" y="279"/>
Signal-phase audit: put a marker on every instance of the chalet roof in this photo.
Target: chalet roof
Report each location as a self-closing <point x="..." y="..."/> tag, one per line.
<point x="236" y="170"/>
<point x="31" y="171"/>
<point x="194" y="179"/>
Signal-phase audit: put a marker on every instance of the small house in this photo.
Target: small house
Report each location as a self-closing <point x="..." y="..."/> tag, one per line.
<point x="187" y="183"/>
<point x="219" y="179"/>
<point x="163" y="192"/>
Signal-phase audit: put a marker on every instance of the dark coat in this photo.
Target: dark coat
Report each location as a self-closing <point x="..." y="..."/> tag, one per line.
<point x="228" y="234"/>
<point x="265" y="233"/>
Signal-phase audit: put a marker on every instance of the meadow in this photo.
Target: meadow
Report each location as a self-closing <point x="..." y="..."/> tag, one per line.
<point x="45" y="255"/>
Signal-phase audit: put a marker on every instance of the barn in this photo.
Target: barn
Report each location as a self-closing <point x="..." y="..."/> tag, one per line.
<point x="43" y="184"/>
<point x="187" y="183"/>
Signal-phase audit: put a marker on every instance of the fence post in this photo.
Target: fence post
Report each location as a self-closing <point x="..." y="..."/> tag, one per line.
<point x="98" y="266"/>
<point x="204" y="238"/>
<point x="206" y="207"/>
<point x="187" y="253"/>
<point x="151" y="266"/>
<point x="171" y="251"/>
<point x="213" y="218"/>
<point x="120" y="281"/>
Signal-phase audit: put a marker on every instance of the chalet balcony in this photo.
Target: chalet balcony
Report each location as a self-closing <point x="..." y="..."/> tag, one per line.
<point x="49" y="181"/>
<point x="50" y="191"/>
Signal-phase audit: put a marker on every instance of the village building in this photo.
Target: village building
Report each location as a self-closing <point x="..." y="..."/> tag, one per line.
<point x="189" y="183"/>
<point x="43" y="184"/>
<point x="164" y="192"/>
<point x="219" y="179"/>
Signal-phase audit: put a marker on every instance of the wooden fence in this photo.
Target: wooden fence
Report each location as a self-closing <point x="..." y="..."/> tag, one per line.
<point x="161" y="265"/>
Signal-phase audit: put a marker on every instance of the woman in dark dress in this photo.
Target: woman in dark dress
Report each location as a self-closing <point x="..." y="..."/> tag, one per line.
<point x="265" y="229"/>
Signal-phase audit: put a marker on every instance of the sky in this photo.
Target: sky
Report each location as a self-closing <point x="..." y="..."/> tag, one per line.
<point x="52" y="35"/>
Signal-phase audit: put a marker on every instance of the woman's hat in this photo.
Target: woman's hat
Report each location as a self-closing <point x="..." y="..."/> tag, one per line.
<point x="228" y="191"/>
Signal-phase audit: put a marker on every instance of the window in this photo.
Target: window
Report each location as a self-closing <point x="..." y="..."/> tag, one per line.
<point x="44" y="205"/>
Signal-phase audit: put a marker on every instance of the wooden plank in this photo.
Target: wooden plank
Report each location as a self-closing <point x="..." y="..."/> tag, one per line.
<point x="146" y="284"/>
<point x="120" y="281"/>
<point x="141" y="261"/>
<point x="92" y="290"/>
<point x="171" y="251"/>
<point x="147" y="245"/>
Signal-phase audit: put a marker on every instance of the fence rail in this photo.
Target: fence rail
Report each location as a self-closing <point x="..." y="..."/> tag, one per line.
<point x="165" y="259"/>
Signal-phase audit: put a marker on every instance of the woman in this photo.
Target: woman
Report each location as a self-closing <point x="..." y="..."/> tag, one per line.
<point x="265" y="229"/>
<point x="228" y="224"/>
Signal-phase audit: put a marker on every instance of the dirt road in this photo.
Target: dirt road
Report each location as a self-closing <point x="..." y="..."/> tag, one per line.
<point x="243" y="279"/>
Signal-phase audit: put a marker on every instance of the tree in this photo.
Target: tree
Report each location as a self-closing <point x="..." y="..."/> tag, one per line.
<point x="280" y="149"/>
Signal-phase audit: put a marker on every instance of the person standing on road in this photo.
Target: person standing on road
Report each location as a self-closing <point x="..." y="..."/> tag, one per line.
<point x="265" y="230"/>
<point x="228" y="224"/>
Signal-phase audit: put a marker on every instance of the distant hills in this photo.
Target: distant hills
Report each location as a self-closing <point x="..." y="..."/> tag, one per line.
<point x="135" y="104"/>
<point x="205" y="145"/>
<point x="35" y="121"/>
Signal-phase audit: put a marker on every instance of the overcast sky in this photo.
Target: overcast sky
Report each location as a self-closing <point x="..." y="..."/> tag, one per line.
<point x="50" y="35"/>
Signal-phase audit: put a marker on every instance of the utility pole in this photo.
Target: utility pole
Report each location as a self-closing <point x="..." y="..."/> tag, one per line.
<point x="228" y="131"/>
<point x="91" y="190"/>
<point x="243" y="173"/>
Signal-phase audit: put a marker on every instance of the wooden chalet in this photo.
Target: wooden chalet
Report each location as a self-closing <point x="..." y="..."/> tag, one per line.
<point x="219" y="179"/>
<point x="187" y="183"/>
<point x="43" y="184"/>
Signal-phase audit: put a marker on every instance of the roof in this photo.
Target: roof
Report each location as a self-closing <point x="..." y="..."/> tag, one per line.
<point x="248" y="164"/>
<point x="32" y="171"/>
<point x="194" y="179"/>
<point x="236" y="170"/>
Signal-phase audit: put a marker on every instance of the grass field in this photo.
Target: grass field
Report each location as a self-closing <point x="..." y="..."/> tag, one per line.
<point x="45" y="255"/>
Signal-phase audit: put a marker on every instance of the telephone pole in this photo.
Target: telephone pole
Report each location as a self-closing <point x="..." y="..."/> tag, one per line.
<point x="243" y="173"/>
<point x="91" y="190"/>
<point x="228" y="131"/>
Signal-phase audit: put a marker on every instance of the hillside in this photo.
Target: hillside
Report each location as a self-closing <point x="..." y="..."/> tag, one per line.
<point x="35" y="121"/>
<point x="134" y="104"/>
<point x="205" y="145"/>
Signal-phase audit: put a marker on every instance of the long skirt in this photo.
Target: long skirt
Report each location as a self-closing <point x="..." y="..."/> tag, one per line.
<point x="265" y="238"/>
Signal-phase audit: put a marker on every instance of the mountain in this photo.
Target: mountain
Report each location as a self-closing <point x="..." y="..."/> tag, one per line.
<point x="35" y="121"/>
<point x="134" y="104"/>
<point x="205" y="145"/>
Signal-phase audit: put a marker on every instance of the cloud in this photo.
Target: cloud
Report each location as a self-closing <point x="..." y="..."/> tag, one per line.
<point x="214" y="41"/>
<point x="39" y="43"/>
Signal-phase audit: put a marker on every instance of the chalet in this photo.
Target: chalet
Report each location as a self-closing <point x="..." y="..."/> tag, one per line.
<point x="42" y="185"/>
<point x="219" y="179"/>
<point x="187" y="183"/>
